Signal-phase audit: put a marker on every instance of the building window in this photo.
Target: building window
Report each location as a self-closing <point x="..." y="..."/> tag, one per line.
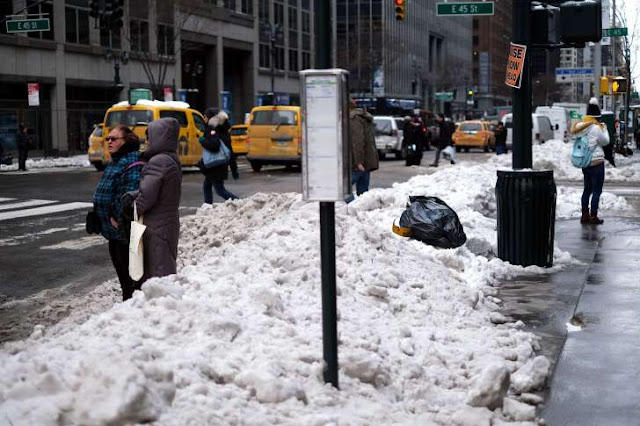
<point x="293" y="60"/>
<point x="293" y="38"/>
<point x="263" y="10"/>
<point x="139" y="32"/>
<point x="165" y="40"/>
<point x="76" y="24"/>
<point x="306" y="22"/>
<point x="278" y="13"/>
<point x="230" y="4"/>
<point x="305" y="4"/>
<point x="34" y="7"/>
<point x="279" y="58"/>
<point x="306" y="60"/>
<point x="109" y="38"/>
<point x="265" y="56"/>
<point x="247" y="7"/>
<point x="293" y="18"/>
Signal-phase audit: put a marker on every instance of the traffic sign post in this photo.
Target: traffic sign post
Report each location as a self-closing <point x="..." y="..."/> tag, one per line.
<point x="462" y="9"/>
<point x="615" y="32"/>
<point x="28" y="25"/>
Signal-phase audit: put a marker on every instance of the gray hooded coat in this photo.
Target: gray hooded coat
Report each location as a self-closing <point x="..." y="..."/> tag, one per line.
<point x="158" y="198"/>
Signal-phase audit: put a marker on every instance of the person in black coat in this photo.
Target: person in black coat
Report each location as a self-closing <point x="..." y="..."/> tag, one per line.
<point x="413" y="140"/>
<point x="218" y="128"/>
<point x="447" y="128"/>
<point x="500" y="133"/>
<point x="23" y="140"/>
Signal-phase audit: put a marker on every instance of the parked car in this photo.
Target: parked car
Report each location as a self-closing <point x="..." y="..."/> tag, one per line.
<point x="541" y="131"/>
<point x="388" y="135"/>
<point x="560" y="119"/>
<point x="138" y="116"/>
<point x="96" y="147"/>
<point x="474" y="134"/>
<point x="274" y="136"/>
<point x="239" y="139"/>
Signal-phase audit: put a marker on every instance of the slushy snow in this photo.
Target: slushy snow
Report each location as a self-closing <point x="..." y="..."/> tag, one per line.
<point x="50" y="162"/>
<point x="235" y="337"/>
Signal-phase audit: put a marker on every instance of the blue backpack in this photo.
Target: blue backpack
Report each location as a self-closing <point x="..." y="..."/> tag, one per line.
<point x="581" y="153"/>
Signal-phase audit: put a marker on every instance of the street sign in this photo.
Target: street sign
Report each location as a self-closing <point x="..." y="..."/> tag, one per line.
<point x="574" y="75"/>
<point x="28" y="25"/>
<point x="471" y="8"/>
<point x="614" y="32"/>
<point x="444" y="96"/>
<point x="515" y="64"/>
<point x="136" y="95"/>
<point x="33" y="94"/>
<point x="574" y="115"/>
<point x="635" y="95"/>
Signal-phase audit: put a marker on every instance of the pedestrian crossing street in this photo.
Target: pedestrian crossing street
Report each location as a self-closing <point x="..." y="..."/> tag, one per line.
<point x="12" y="208"/>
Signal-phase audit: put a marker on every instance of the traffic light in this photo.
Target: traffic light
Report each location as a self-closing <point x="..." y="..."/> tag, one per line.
<point x="470" y="100"/>
<point x="604" y="85"/>
<point x="400" y="9"/>
<point x="619" y="85"/>
<point x="581" y="22"/>
<point x="94" y="8"/>
<point x="117" y="14"/>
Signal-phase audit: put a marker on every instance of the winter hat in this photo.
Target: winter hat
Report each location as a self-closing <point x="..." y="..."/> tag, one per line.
<point x="593" y="109"/>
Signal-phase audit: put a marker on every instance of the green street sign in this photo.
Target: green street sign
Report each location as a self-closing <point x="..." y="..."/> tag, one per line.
<point x="614" y="32"/>
<point x="575" y="115"/>
<point x="28" y="25"/>
<point x="635" y="95"/>
<point x="444" y="96"/>
<point x="472" y="8"/>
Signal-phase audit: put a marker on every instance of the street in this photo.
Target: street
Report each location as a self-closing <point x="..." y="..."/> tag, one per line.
<point x="46" y="255"/>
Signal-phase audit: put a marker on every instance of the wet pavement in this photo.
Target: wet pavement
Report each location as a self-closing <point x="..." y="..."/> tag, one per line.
<point x="597" y="369"/>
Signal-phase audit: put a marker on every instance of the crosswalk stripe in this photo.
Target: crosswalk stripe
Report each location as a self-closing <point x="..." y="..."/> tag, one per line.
<point x="39" y="211"/>
<point x="23" y="204"/>
<point x="2" y="200"/>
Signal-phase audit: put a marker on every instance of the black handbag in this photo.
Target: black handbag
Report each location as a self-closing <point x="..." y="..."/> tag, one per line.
<point x="93" y="223"/>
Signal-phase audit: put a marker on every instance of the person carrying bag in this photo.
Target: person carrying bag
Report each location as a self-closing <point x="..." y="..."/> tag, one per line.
<point x="136" y="248"/>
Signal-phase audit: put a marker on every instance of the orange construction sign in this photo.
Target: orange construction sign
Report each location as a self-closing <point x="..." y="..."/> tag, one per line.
<point x="515" y="65"/>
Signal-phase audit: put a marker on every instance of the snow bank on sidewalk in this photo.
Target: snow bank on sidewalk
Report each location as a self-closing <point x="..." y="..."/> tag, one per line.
<point x="235" y="337"/>
<point x="50" y="162"/>
<point x="556" y="155"/>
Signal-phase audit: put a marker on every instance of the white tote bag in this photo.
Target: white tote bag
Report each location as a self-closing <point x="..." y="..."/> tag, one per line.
<point x="136" y="249"/>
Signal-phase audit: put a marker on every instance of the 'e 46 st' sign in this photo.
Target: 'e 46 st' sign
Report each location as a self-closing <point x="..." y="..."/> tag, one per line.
<point x="470" y="8"/>
<point x="28" y="25"/>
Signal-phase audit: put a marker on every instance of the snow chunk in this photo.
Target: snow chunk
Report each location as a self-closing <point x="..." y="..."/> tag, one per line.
<point x="490" y="388"/>
<point x="472" y="416"/>
<point x="531" y="376"/>
<point x="518" y="411"/>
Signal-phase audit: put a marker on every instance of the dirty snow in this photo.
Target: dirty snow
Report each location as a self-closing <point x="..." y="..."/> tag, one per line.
<point x="235" y="337"/>
<point x="50" y="162"/>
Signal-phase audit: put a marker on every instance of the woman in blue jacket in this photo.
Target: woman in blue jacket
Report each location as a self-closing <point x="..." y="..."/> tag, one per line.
<point x="120" y="176"/>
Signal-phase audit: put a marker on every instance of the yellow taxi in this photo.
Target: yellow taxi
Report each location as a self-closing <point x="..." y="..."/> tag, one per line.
<point x="96" y="147"/>
<point x="474" y="134"/>
<point x="274" y="136"/>
<point x="239" y="139"/>
<point x="138" y="116"/>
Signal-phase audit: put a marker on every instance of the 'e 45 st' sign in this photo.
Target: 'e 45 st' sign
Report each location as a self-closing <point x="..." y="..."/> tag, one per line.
<point x="28" y="25"/>
<point x="470" y="8"/>
<point x="515" y="65"/>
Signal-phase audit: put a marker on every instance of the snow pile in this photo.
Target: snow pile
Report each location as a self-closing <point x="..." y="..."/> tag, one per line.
<point x="556" y="155"/>
<point x="235" y="337"/>
<point x="50" y="162"/>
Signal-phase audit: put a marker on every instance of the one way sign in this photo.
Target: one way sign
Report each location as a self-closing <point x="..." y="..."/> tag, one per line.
<point x="574" y="75"/>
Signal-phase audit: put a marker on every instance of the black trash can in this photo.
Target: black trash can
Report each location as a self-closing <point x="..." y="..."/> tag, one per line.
<point x="526" y="202"/>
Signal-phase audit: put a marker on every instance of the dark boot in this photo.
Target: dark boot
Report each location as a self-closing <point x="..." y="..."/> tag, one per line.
<point x="595" y="220"/>
<point x="585" y="217"/>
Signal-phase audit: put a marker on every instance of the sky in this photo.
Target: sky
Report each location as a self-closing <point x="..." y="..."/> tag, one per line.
<point x="631" y="10"/>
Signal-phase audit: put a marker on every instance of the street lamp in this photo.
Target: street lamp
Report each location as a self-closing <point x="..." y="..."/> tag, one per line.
<point x="193" y="70"/>
<point x="274" y="30"/>
<point x="117" y="58"/>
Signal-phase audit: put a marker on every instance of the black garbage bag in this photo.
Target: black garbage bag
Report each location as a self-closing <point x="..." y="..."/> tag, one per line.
<point x="433" y="222"/>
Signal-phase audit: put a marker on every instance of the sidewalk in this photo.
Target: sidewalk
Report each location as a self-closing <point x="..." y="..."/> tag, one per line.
<point x="595" y="381"/>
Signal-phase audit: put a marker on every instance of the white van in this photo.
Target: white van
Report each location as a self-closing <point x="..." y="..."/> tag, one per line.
<point x="541" y="131"/>
<point x="560" y="119"/>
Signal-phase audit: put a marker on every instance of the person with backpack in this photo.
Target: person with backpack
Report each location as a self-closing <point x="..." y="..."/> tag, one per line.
<point x="217" y="133"/>
<point x="590" y="135"/>
<point x="364" y="154"/>
<point x="121" y="175"/>
<point x="447" y="128"/>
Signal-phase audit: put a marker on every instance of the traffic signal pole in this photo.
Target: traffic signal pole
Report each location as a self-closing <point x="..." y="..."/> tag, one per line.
<point x="522" y="124"/>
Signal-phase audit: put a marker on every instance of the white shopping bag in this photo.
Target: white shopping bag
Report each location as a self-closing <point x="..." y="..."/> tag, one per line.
<point x="136" y="250"/>
<point x="449" y="152"/>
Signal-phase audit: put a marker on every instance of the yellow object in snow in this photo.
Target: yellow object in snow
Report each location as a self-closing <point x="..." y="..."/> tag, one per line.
<point x="397" y="229"/>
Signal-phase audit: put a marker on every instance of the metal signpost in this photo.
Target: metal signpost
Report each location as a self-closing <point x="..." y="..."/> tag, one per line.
<point x="471" y="8"/>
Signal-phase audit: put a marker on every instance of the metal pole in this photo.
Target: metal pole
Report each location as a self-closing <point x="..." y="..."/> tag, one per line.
<point x="613" y="58"/>
<point x="273" y="62"/>
<point x="327" y="220"/>
<point x="522" y="158"/>
<point x="628" y="97"/>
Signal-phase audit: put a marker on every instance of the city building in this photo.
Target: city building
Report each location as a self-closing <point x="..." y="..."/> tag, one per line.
<point x="491" y="38"/>
<point x="227" y="53"/>
<point x="401" y="65"/>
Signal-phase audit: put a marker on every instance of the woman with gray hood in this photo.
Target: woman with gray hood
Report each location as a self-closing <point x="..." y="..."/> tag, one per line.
<point x="158" y="198"/>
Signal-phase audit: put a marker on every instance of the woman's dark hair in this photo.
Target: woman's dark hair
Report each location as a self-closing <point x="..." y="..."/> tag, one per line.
<point x="127" y="134"/>
<point x="211" y="112"/>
